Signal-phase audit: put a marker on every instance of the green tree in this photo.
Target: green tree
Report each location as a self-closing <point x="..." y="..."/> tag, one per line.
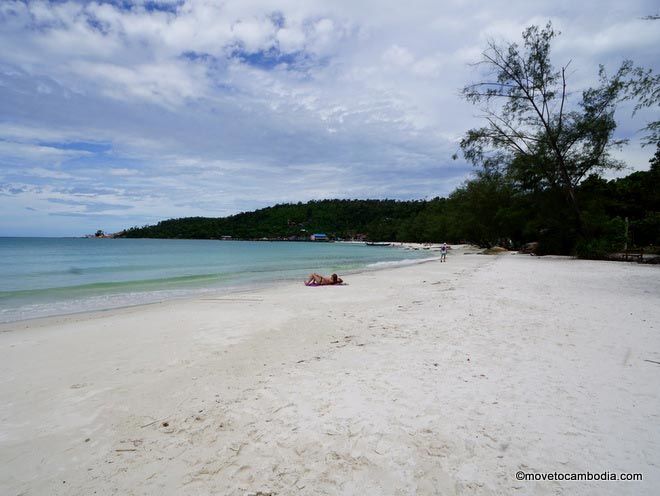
<point x="534" y="132"/>
<point x="483" y="211"/>
<point x="644" y="87"/>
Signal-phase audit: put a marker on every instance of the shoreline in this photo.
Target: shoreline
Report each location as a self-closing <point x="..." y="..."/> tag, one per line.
<point x="431" y="378"/>
<point x="46" y="320"/>
<point x="208" y="292"/>
<point x="178" y="294"/>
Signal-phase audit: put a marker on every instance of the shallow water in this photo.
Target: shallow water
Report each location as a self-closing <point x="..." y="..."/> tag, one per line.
<point x="52" y="276"/>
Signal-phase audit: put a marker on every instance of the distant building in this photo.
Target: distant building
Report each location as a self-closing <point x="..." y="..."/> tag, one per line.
<point x="319" y="237"/>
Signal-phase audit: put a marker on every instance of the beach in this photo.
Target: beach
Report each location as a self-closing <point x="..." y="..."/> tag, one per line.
<point x="432" y="378"/>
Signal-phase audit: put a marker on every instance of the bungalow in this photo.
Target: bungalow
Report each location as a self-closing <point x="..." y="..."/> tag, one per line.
<point x="319" y="237"/>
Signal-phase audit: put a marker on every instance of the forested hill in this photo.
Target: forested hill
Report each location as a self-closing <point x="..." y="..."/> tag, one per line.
<point x="487" y="210"/>
<point x="377" y="219"/>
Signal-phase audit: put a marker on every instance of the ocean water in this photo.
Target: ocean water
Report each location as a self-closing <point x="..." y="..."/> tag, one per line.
<point x="54" y="276"/>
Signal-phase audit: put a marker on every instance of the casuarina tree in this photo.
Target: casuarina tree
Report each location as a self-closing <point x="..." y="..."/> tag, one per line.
<point x="538" y="130"/>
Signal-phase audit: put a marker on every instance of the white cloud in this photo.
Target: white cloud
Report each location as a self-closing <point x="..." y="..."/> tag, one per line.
<point x="169" y="83"/>
<point x="427" y="66"/>
<point x="398" y="56"/>
<point x="207" y="107"/>
<point x="36" y="154"/>
<point x="123" y="171"/>
<point x="626" y="37"/>
<point x="290" y="39"/>
<point x="254" y="34"/>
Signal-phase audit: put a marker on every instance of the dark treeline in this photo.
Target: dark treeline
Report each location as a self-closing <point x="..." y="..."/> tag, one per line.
<point x="537" y="155"/>
<point x="541" y="146"/>
<point x="488" y="210"/>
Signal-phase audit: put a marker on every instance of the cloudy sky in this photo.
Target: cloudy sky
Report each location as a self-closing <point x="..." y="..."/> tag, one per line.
<point x="123" y="113"/>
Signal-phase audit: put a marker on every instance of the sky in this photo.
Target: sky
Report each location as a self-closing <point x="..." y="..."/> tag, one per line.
<point x="123" y="113"/>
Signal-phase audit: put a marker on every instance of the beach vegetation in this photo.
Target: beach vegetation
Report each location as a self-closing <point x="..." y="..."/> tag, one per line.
<point x="488" y="210"/>
<point x="535" y="129"/>
<point x="643" y="87"/>
<point x="539" y="160"/>
<point x="551" y="143"/>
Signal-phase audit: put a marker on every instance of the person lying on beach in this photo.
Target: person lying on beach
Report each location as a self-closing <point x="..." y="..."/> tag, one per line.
<point x="319" y="280"/>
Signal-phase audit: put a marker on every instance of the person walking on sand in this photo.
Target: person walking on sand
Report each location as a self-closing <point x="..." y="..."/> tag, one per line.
<point x="443" y="252"/>
<point x="319" y="280"/>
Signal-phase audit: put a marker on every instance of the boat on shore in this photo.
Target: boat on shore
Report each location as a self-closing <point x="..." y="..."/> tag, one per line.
<point x="371" y="243"/>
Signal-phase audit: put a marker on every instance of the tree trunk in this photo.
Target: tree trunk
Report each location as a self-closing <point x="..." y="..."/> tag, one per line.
<point x="573" y="202"/>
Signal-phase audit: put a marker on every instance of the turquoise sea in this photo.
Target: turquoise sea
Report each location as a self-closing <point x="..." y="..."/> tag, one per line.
<point x="53" y="276"/>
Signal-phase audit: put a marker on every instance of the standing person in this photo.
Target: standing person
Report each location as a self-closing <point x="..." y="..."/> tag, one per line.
<point x="443" y="252"/>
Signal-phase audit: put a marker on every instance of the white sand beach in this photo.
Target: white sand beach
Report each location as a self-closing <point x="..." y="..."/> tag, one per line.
<point x="426" y="379"/>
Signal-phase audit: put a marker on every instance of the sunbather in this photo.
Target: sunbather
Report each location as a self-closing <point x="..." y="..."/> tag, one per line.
<point x="319" y="280"/>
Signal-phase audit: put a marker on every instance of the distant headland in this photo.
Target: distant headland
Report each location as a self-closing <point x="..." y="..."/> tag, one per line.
<point x="490" y="210"/>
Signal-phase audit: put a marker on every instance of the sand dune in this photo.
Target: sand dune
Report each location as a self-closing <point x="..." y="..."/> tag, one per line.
<point x="427" y="379"/>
